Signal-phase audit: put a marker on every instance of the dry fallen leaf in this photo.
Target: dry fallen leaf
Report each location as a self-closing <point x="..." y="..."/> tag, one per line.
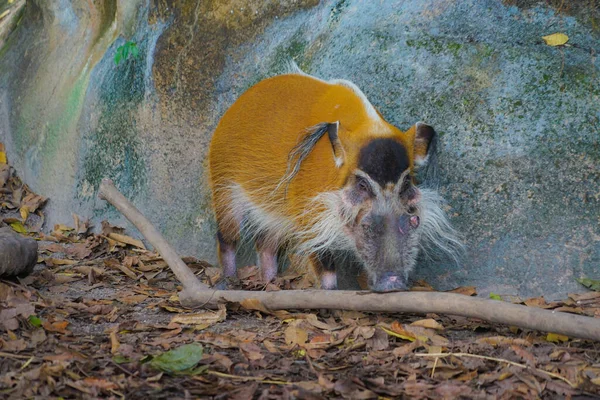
<point x="270" y="346"/>
<point x="428" y="323"/>
<point x="403" y="332"/>
<point x="251" y="351"/>
<point x="79" y="250"/>
<point x="13" y="346"/>
<point x="295" y="335"/>
<point x="314" y="321"/>
<point x="528" y="357"/>
<point x="204" y="318"/>
<point x="4" y="174"/>
<point x="24" y="211"/>
<point x="405" y="349"/>
<point x="58" y="326"/>
<point x="32" y="202"/>
<point x="366" y="332"/>
<point x="81" y="226"/>
<point x="503" y="341"/>
<point x="127" y="240"/>
<point x="221" y="341"/>
<point x="556" y="39"/>
<point x="380" y="340"/>
<point x="114" y="342"/>
<point x="58" y="261"/>
<point x="465" y="290"/>
<point x="321" y="338"/>
<point x="421" y="286"/>
<point x="404" y="335"/>
<point x="539" y="302"/>
<point x="255" y="304"/>
<point x="99" y="383"/>
<point x="133" y="299"/>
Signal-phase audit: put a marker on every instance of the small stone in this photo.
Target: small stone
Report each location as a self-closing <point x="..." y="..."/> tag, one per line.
<point x="18" y="254"/>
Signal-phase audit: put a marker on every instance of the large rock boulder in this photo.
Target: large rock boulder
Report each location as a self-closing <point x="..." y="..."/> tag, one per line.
<point x="519" y="120"/>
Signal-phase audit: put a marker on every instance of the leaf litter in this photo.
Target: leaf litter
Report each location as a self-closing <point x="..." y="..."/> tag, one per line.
<point x="99" y="317"/>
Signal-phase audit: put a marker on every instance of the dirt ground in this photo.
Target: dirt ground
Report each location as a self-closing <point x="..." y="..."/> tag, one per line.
<point x="99" y="318"/>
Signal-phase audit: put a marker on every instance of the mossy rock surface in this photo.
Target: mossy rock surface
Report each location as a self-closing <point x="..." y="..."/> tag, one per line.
<point x="519" y="120"/>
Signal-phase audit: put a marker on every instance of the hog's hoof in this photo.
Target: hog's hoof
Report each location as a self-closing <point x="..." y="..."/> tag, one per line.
<point x="329" y="280"/>
<point x="227" y="283"/>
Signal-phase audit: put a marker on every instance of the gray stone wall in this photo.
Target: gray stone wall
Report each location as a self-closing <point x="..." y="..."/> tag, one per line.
<point x="519" y="120"/>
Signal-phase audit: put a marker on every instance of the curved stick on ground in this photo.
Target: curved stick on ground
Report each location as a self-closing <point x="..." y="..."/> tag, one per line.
<point x="110" y="193"/>
<point x="197" y="294"/>
<point x="412" y="302"/>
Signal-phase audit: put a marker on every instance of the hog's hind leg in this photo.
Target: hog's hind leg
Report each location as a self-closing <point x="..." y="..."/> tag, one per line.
<point x="324" y="267"/>
<point x="228" y="231"/>
<point x="267" y="257"/>
<point x="227" y="249"/>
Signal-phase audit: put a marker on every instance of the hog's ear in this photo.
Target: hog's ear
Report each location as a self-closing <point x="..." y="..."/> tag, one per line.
<point x="339" y="155"/>
<point x="424" y="144"/>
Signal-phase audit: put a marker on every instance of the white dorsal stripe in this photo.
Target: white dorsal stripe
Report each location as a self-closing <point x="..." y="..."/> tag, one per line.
<point x="293" y="68"/>
<point x="371" y="112"/>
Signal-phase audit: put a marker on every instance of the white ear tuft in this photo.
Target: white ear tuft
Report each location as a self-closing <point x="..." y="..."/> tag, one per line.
<point x="424" y="142"/>
<point x="339" y="155"/>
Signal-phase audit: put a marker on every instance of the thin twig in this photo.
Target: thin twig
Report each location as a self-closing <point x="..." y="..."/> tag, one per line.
<point x="249" y="378"/>
<point x="500" y="360"/>
<point x="434" y="365"/>
<point x="27" y="363"/>
<point x="310" y="364"/>
<point x="122" y="396"/>
<point x="15" y="356"/>
<point x="128" y="372"/>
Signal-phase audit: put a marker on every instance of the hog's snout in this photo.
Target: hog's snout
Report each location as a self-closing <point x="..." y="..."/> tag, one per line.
<point x="389" y="282"/>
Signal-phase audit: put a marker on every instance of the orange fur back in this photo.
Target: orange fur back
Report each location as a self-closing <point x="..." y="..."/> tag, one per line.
<point x="251" y="144"/>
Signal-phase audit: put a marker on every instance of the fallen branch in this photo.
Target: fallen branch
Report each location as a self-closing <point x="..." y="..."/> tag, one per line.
<point x="196" y="294"/>
<point x="110" y="193"/>
<point x="411" y="302"/>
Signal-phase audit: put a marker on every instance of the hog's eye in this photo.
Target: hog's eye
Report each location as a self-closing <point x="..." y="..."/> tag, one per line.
<point x="411" y="210"/>
<point x="363" y="186"/>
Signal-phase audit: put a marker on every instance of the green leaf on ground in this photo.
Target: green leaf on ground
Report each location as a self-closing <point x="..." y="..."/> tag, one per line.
<point x="120" y="359"/>
<point x="179" y="359"/>
<point x="35" y="321"/>
<point x="495" y="296"/>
